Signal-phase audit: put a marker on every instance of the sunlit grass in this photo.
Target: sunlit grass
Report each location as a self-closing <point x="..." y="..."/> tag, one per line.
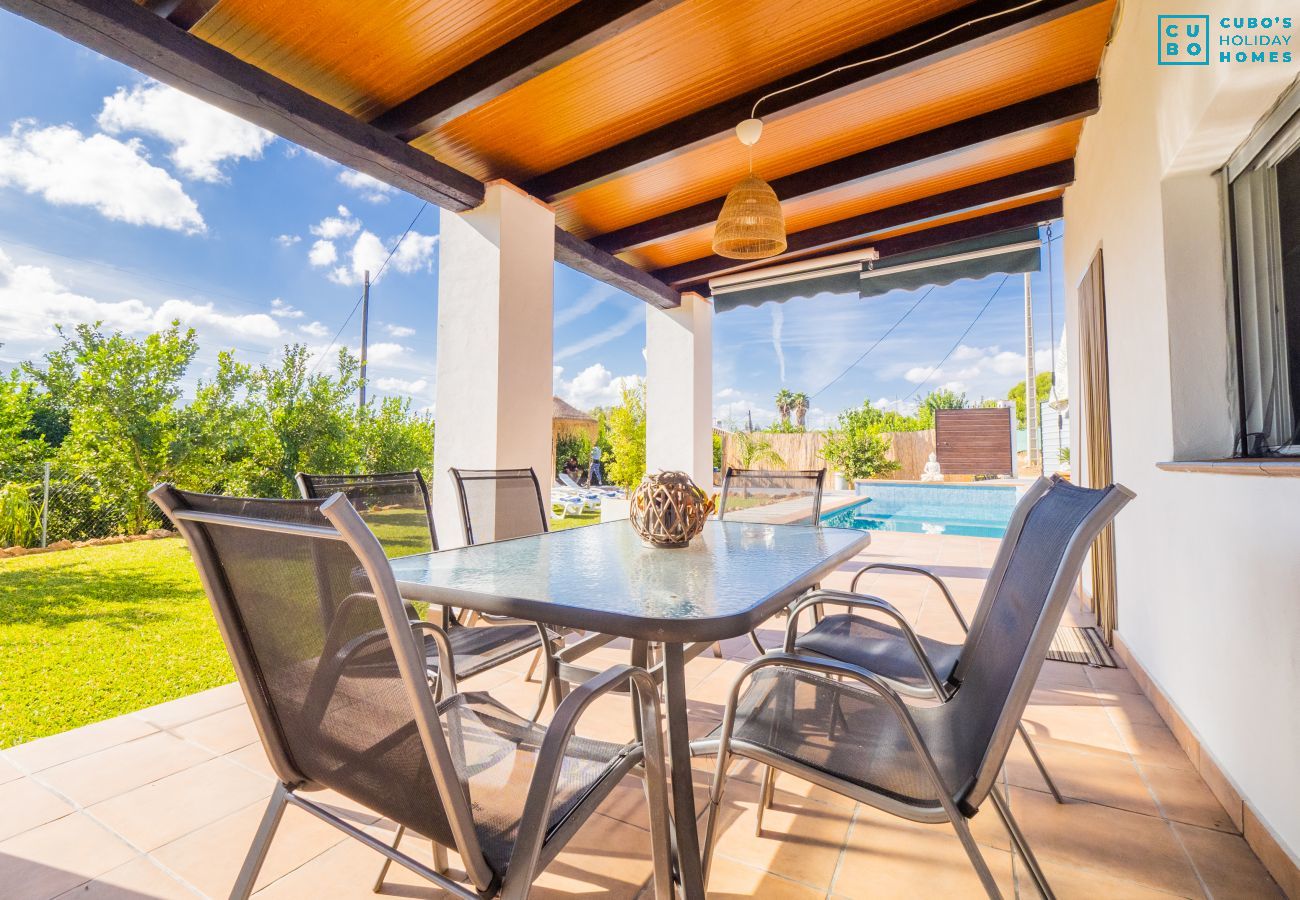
<point x="97" y="632"/>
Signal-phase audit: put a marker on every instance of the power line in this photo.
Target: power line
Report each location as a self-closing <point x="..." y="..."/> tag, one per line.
<point x="875" y="345"/>
<point x="355" y="306"/>
<point x="953" y="349"/>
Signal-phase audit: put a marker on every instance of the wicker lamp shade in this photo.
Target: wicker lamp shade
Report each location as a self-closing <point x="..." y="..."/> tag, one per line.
<point x="750" y="225"/>
<point x="668" y="509"/>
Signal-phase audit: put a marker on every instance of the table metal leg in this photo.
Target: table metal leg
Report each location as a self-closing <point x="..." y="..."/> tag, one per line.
<point x="679" y="757"/>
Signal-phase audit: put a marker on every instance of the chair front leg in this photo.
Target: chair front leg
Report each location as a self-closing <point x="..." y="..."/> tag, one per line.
<point x="261" y="843"/>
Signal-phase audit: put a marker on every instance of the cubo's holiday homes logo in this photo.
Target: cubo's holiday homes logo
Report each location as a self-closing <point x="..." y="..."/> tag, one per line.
<point x="1197" y="41"/>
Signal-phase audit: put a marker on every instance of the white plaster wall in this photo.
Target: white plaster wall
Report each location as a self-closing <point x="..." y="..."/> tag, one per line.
<point x="495" y="334"/>
<point x="679" y="389"/>
<point x="1208" y="565"/>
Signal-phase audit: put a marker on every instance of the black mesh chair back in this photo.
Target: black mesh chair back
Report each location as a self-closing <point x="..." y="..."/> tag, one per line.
<point x="1002" y="661"/>
<point x="394" y="504"/>
<point x="785" y="497"/>
<point x="499" y="504"/>
<point x="305" y="628"/>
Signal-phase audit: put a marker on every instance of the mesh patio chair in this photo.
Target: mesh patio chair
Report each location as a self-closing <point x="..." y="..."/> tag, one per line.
<point x="777" y="497"/>
<point x="335" y="674"/>
<point x="847" y="729"/>
<point x="890" y="650"/>
<point x="395" y="505"/>
<point x="499" y="504"/>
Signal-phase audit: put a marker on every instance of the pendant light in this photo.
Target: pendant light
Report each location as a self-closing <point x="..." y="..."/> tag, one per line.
<point x="750" y="225"/>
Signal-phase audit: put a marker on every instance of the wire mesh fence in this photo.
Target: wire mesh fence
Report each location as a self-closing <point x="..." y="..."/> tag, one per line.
<point x="44" y="504"/>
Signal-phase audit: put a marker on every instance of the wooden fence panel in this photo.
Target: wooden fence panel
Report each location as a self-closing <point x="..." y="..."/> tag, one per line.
<point x="975" y="441"/>
<point x="910" y="449"/>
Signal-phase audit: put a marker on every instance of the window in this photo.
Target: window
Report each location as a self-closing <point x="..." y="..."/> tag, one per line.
<point x="1264" y="192"/>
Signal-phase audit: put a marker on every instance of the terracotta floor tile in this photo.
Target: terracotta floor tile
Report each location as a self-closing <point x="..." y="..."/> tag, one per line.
<point x="58" y="856"/>
<point x="1075" y="883"/>
<point x="47" y="752"/>
<point x="1135" y="847"/>
<point x="25" y="804"/>
<point x="1183" y="797"/>
<point x="119" y="769"/>
<point x="1153" y="745"/>
<point x="253" y="758"/>
<point x="731" y="879"/>
<point x="8" y="771"/>
<point x="210" y="858"/>
<point x="1226" y="864"/>
<point x="1120" y="681"/>
<point x="222" y="731"/>
<point x="195" y="706"/>
<point x="887" y="857"/>
<point x="1108" y="779"/>
<point x="1075" y="726"/>
<point x="135" y="880"/>
<point x="159" y="812"/>
<point x="801" y="839"/>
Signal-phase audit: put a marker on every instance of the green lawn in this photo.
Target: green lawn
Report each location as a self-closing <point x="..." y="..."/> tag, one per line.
<point x="587" y="518"/>
<point x="93" y="633"/>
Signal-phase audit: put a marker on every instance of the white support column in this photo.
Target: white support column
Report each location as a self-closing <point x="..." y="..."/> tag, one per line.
<point x="679" y="389"/>
<point x="495" y="321"/>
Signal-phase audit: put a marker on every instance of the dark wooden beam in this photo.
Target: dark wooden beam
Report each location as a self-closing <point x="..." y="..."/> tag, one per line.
<point x="560" y="38"/>
<point x="136" y="37"/>
<point x="576" y="253"/>
<point x="139" y="38"/>
<point x="717" y="121"/>
<point x="182" y="13"/>
<point x="1046" y="111"/>
<point x="688" y="275"/>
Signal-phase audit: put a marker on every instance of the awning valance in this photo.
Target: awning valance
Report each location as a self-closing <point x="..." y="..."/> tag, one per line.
<point x="1007" y="252"/>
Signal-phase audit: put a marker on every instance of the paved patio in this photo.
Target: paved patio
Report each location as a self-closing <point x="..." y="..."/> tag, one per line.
<point x="163" y="802"/>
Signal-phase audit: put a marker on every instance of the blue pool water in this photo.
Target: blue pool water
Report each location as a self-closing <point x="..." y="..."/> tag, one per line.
<point x="969" y="510"/>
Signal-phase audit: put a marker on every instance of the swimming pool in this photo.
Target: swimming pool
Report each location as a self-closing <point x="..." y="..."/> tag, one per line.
<point x="969" y="510"/>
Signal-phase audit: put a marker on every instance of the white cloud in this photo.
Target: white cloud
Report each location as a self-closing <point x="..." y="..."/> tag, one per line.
<point x="114" y="177"/>
<point x="282" y="310"/>
<point x="402" y="385"/>
<point x="202" y="137"/>
<point x="323" y="253"/>
<point x="371" y="189"/>
<point x="33" y="301"/>
<point x="314" y="329"/>
<point x="399" y="331"/>
<point x="778" y="322"/>
<point x="368" y="253"/>
<point x="385" y="351"/>
<point x="593" y="386"/>
<point x="967" y="364"/>
<point x="342" y="225"/>
<point x="288" y="240"/>
<point x="596" y="295"/>
<point x="634" y="317"/>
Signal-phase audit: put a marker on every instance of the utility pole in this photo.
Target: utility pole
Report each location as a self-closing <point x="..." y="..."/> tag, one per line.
<point x="365" y="339"/>
<point x="1031" y="381"/>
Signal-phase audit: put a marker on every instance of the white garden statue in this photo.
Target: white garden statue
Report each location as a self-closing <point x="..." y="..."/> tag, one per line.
<point x="931" y="471"/>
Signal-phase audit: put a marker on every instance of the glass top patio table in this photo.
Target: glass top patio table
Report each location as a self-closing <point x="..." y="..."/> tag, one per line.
<point x="603" y="578"/>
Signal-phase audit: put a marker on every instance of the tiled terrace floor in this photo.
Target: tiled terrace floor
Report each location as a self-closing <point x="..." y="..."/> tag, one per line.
<point x="163" y="802"/>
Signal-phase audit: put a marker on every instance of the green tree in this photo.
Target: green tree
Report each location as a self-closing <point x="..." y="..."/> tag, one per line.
<point x="753" y="451"/>
<point x="1043" y="384"/>
<point x="20" y="445"/>
<point x="940" y="398"/>
<point x="575" y="446"/>
<point x="391" y="438"/>
<point x="122" y="392"/>
<point x="856" y="447"/>
<point x="800" y="402"/>
<point x="626" y="433"/>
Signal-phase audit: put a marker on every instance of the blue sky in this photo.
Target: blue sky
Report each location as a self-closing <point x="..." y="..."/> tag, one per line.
<point x="126" y="201"/>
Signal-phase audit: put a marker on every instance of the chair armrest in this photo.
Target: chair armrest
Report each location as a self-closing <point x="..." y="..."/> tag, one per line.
<point x="830" y="667"/>
<point x="550" y="759"/>
<point x="446" y="658"/>
<point x="876" y="604"/>
<point x="915" y="570"/>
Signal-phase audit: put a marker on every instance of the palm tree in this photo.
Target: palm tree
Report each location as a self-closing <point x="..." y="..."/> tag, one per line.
<point x="784" y="403"/>
<point x="800" y="403"/>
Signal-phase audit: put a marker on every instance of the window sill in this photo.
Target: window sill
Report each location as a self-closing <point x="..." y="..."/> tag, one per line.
<point x="1273" y="468"/>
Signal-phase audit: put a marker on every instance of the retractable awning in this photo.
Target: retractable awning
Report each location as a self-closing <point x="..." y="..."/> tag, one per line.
<point x="1006" y="252"/>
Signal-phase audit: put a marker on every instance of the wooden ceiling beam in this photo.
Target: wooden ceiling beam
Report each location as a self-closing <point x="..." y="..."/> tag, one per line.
<point x="182" y="13"/>
<point x="560" y="38"/>
<point x="860" y="228"/>
<point x="1046" y="111"/>
<point x="143" y="40"/>
<point x="943" y="37"/>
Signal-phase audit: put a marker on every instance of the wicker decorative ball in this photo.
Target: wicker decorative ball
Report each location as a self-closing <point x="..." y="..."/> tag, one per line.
<point x="668" y="509"/>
